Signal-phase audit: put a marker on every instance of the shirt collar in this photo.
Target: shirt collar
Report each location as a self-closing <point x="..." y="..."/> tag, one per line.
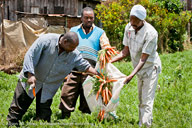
<point x="81" y="26"/>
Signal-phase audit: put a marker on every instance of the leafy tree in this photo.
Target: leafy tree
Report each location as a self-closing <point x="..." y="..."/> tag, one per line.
<point x="166" y="16"/>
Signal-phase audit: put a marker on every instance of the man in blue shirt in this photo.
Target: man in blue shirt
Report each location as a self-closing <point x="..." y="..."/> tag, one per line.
<point x="91" y="40"/>
<point x="48" y="61"/>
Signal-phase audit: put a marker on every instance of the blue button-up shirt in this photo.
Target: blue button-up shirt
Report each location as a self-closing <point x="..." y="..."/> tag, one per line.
<point x="49" y="67"/>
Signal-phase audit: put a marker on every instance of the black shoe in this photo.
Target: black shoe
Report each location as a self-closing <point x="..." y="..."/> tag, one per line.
<point x="13" y="123"/>
<point x="65" y="115"/>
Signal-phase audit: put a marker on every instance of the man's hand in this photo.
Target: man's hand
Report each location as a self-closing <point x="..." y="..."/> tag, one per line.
<point x="128" y="79"/>
<point x="31" y="80"/>
<point x="124" y="53"/>
<point x="92" y="71"/>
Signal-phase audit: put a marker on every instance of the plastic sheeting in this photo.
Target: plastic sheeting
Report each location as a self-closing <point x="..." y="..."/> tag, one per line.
<point x="20" y="35"/>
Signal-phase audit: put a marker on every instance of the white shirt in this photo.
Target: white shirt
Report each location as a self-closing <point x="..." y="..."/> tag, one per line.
<point x="144" y="41"/>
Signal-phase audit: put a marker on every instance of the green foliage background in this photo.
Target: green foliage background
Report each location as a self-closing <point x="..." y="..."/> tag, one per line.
<point x="166" y="16"/>
<point x="172" y="106"/>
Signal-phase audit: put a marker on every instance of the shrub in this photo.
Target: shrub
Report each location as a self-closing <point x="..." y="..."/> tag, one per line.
<point x="166" y="16"/>
<point x="170" y="22"/>
<point x="114" y="17"/>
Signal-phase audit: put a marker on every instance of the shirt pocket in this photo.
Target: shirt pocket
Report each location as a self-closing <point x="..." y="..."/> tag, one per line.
<point x="136" y="44"/>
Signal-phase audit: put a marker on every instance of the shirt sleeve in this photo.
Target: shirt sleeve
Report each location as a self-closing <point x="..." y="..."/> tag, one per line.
<point x="125" y="37"/>
<point x="104" y="41"/>
<point x="81" y="64"/>
<point x="150" y="45"/>
<point x="32" y="57"/>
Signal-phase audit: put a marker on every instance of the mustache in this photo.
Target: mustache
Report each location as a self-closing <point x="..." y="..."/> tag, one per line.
<point x="134" y="25"/>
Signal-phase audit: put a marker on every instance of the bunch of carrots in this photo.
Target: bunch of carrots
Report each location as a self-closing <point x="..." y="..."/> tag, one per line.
<point x="103" y="85"/>
<point x="105" y="55"/>
<point x="105" y="89"/>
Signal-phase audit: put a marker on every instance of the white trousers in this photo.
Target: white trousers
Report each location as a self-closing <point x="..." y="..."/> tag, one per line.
<point x="146" y="92"/>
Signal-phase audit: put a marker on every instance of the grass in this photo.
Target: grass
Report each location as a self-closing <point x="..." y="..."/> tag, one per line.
<point x="172" y="106"/>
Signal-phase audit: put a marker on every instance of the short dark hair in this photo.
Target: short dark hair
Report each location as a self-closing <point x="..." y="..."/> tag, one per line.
<point x="71" y="37"/>
<point x="86" y="9"/>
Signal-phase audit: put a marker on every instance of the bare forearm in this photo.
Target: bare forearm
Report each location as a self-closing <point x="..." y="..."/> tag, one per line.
<point x="142" y="61"/>
<point x="138" y="67"/>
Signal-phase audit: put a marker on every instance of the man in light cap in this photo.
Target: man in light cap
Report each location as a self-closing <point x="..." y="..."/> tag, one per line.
<point x="140" y="42"/>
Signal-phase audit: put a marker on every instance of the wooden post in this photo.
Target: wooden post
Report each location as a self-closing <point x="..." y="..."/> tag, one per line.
<point x="2" y="22"/>
<point x="2" y="33"/>
<point x="189" y="23"/>
<point x="189" y="31"/>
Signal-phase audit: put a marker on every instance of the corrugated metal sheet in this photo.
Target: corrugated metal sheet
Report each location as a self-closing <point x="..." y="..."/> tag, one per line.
<point x="68" y="7"/>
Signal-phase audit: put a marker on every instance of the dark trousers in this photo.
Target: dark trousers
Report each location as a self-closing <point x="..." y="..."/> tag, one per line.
<point x="21" y="102"/>
<point x="71" y="89"/>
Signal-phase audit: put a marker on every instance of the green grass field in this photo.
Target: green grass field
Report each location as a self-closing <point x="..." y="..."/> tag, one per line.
<point x="172" y="107"/>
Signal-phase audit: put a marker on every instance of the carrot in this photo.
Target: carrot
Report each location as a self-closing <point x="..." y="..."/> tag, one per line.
<point x="99" y="115"/>
<point x="111" y="80"/>
<point x="98" y="77"/>
<point x="104" y="96"/>
<point x="107" y="58"/>
<point x="113" y="51"/>
<point x="101" y="64"/>
<point x="110" y="48"/>
<point x="101" y="85"/>
<point x="104" y="61"/>
<point x="101" y="58"/>
<point x="102" y="75"/>
<point x="109" y="54"/>
<point x="107" y="78"/>
<point x="106" y="89"/>
<point x="110" y="94"/>
<point x="103" y="113"/>
<point x="100" y="89"/>
<point x="97" y="95"/>
<point x="34" y="92"/>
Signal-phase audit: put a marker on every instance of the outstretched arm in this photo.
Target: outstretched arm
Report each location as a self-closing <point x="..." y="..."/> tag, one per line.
<point x="142" y="61"/>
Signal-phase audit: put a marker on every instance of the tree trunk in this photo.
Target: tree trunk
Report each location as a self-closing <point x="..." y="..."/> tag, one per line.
<point x="189" y="5"/>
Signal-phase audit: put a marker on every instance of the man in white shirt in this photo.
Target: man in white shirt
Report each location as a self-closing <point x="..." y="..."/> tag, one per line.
<point x="140" y="42"/>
